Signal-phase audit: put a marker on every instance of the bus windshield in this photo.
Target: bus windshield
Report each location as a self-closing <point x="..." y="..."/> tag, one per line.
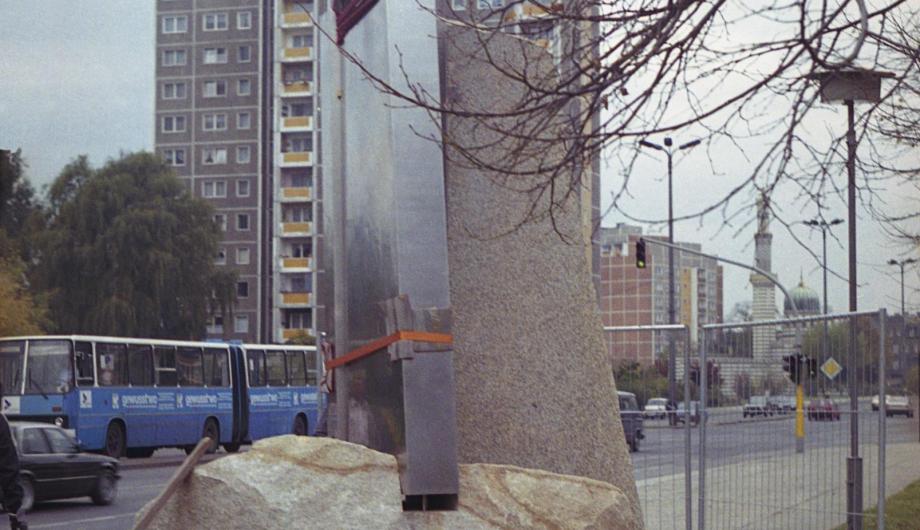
<point x="11" y="353"/>
<point x="50" y="369"/>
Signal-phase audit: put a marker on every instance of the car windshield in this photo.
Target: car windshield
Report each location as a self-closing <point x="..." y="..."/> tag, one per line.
<point x="11" y="354"/>
<point x="658" y="402"/>
<point x="49" y="367"/>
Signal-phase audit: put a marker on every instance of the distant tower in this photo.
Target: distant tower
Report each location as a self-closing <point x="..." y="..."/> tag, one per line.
<point x="764" y="306"/>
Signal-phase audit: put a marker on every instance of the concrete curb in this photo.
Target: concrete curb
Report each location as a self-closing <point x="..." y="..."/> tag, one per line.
<point x="170" y="461"/>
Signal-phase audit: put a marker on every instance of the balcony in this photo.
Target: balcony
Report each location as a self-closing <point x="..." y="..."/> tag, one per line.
<point x="288" y="334"/>
<point x="296" y="194"/>
<point x="297" y="88"/>
<point x="296" y="264"/>
<point x="295" y="299"/>
<point x="296" y="55"/>
<point x="297" y="123"/>
<point x="296" y="159"/>
<point x="296" y="229"/>
<point x="295" y="18"/>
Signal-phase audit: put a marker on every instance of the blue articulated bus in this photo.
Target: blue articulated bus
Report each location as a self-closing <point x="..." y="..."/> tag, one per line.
<point x="122" y="396"/>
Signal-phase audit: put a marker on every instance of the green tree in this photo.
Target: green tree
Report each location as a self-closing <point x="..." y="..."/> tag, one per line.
<point x="644" y="381"/>
<point x="128" y="251"/>
<point x="20" y="312"/>
<point x="21" y="213"/>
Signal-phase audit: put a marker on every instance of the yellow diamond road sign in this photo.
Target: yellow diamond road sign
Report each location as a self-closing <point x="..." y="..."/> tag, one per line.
<point x="831" y="368"/>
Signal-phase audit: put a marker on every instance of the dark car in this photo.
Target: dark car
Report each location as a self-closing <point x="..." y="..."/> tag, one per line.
<point x="823" y="409"/>
<point x="54" y="468"/>
<point x="631" y="417"/>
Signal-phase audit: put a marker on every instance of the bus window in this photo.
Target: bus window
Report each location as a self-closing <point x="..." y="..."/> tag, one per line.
<point x="49" y="367"/>
<point x="256" y="360"/>
<point x="11" y="356"/>
<point x="140" y="365"/>
<point x="296" y="368"/>
<point x="189" y="366"/>
<point x="83" y="352"/>
<point x="165" y="365"/>
<point x="314" y="362"/>
<point x="274" y="361"/>
<point x="216" y="369"/>
<point x="112" y="364"/>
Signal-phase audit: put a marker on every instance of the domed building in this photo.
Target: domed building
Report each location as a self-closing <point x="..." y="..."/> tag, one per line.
<point x="806" y="300"/>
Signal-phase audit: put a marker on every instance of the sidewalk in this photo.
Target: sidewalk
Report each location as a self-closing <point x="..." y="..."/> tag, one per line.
<point x="778" y="490"/>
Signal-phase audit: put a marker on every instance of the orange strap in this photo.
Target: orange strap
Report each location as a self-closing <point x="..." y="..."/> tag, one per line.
<point x="383" y="342"/>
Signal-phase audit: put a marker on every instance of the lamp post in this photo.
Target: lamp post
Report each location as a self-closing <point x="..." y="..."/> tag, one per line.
<point x="824" y="226"/>
<point x="668" y="150"/>
<point x="850" y="85"/>
<point x="901" y="264"/>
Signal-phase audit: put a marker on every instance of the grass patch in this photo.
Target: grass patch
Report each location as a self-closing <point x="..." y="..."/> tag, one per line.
<point x="902" y="511"/>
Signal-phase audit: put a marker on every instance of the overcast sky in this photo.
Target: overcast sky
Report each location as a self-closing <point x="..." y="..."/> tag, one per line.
<point x="77" y="77"/>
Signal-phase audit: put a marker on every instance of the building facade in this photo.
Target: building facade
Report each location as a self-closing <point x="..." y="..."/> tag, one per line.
<point x="235" y="118"/>
<point x="629" y="296"/>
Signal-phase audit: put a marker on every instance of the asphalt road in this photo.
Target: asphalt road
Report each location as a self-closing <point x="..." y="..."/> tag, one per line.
<point x="730" y="439"/>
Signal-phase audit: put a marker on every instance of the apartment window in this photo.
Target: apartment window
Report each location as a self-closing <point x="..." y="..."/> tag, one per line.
<point x="214" y="22"/>
<point x="213" y="89"/>
<point x="242" y="256"/>
<point x="243" y="20"/>
<point x="241" y="323"/>
<point x="214" y="189"/>
<point x="301" y="250"/>
<point x="297" y="144"/>
<point x="298" y="214"/>
<point x="244" y="87"/>
<point x="173" y="124"/>
<point x="242" y="221"/>
<point x="174" y="58"/>
<point x="289" y="110"/>
<point x="244" y="54"/>
<point x="242" y="289"/>
<point x="220" y="220"/>
<point x="490" y="4"/>
<point x="221" y="258"/>
<point x="173" y="90"/>
<point x="301" y="179"/>
<point x="300" y="41"/>
<point x="215" y="55"/>
<point x="214" y="122"/>
<point x="175" y="24"/>
<point x="242" y="154"/>
<point x="242" y="188"/>
<point x="243" y="120"/>
<point x="214" y="155"/>
<point x="297" y="74"/>
<point x="298" y="320"/>
<point x="459" y="5"/>
<point x="174" y="157"/>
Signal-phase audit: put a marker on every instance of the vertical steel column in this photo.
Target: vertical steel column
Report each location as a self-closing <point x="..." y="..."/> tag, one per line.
<point x="672" y="354"/>
<point x="704" y="381"/>
<point x="882" y="420"/>
<point x="339" y="258"/>
<point x="854" y="462"/>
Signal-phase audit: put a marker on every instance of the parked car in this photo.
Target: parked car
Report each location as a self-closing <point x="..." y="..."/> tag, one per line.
<point x="694" y="415"/>
<point x="820" y="409"/>
<point x="894" y="405"/>
<point x="757" y="406"/>
<point x="656" y="408"/>
<point x="782" y="404"/>
<point x="631" y="417"/>
<point x="53" y="467"/>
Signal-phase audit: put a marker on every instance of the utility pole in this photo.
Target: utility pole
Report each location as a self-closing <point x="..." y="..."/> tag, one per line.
<point x="672" y="307"/>
<point x="901" y="264"/>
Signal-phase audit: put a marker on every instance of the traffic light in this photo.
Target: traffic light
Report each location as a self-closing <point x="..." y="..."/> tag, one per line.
<point x="791" y="367"/>
<point x="812" y="367"/>
<point x="640" y="253"/>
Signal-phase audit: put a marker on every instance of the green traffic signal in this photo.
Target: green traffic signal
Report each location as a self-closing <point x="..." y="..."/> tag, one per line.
<point x="640" y="253"/>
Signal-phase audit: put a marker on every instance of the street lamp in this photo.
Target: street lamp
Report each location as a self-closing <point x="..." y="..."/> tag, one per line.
<point x="672" y="355"/>
<point x="850" y="85"/>
<point x="824" y="226"/>
<point x="901" y="264"/>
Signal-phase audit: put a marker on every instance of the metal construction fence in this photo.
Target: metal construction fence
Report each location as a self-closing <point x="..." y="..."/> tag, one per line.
<point x="732" y="451"/>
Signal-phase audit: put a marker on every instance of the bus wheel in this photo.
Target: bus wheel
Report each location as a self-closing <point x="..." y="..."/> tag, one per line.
<point x="232" y="447"/>
<point x="300" y="426"/>
<point x="115" y="440"/>
<point x="212" y="431"/>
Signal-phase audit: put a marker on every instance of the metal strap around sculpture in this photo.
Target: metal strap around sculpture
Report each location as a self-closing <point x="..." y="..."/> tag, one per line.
<point x="381" y="343"/>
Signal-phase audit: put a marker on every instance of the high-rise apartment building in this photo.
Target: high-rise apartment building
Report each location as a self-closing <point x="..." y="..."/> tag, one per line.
<point x="235" y="119"/>
<point x="639" y="297"/>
